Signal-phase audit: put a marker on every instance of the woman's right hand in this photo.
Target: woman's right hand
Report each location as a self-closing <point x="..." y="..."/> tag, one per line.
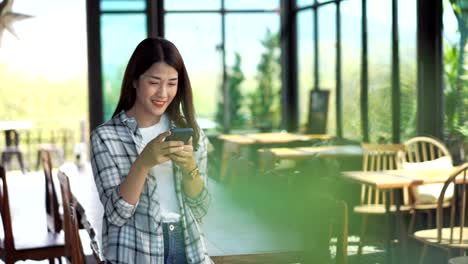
<point x="157" y="151"/>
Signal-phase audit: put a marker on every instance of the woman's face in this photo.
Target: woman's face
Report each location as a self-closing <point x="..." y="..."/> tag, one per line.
<point x="155" y="90"/>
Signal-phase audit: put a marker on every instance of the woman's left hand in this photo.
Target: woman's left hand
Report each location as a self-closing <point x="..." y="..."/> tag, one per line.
<point x="184" y="158"/>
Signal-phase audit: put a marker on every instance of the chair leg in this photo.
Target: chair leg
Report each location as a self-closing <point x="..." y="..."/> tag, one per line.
<point x="429" y="219"/>
<point x="51" y="261"/>
<point x="21" y="163"/>
<point x="361" y="236"/>
<point x="38" y="162"/>
<point x="412" y="222"/>
<point x="423" y="254"/>
<point x="403" y="239"/>
<point x="6" y="160"/>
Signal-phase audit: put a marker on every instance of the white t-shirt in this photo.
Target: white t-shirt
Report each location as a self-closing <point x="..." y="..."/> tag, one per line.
<point x="170" y="210"/>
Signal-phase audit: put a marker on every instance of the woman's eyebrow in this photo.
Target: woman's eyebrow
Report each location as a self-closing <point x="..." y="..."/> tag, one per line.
<point x="159" y="78"/>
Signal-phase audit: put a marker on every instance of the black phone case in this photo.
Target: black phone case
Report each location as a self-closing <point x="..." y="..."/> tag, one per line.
<point x="180" y="134"/>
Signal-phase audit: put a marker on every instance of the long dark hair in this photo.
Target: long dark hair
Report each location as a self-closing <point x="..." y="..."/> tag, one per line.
<point x="148" y="52"/>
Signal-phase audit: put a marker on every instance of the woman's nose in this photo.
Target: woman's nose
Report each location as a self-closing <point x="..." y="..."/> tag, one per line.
<point x="162" y="91"/>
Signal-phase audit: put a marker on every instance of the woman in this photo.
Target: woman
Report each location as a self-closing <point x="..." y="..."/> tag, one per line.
<point x="153" y="191"/>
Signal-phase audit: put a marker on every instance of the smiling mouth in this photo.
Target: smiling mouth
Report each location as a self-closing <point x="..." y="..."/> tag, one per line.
<point x="159" y="103"/>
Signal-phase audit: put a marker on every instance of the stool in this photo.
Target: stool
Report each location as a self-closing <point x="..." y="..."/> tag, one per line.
<point x="459" y="260"/>
<point x="12" y="149"/>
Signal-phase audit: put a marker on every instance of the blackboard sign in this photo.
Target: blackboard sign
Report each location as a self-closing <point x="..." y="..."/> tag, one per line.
<point x="318" y="111"/>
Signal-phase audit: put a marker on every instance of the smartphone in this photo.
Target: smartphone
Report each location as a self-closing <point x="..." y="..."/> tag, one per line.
<point x="180" y="134"/>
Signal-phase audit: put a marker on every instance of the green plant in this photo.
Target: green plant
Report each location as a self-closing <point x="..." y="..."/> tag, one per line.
<point x="235" y="77"/>
<point x="460" y="10"/>
<point x="264" y="101"/>
<point x="450" y="91"/>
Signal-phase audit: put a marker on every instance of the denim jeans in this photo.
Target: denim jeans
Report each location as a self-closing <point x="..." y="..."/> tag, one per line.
<point x="174" y="246"/>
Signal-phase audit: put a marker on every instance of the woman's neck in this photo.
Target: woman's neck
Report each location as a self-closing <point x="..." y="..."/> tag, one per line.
<point x="143" y="119"/>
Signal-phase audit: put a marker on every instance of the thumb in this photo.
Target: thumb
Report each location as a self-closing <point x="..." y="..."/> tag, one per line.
<point x="162" y="136"/>
<point x="190" y="141"/>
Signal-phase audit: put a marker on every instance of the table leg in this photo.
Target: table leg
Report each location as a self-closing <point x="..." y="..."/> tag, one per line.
<point x="229" y="150"/>
<point x="390" y="229"/>
<point x="402" y="246"/>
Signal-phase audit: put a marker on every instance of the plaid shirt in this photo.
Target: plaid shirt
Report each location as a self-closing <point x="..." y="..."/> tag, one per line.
<point x="133" y="233"/>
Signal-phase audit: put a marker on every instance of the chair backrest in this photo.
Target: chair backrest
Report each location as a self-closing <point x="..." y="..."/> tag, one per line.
<point x="77" y="214"/>
<point x="5" y="213"/>
<point x="420" y="149"/>
<point x="378" y="157"/>
<point x="54" y="220"/>
<point x="11" y="138"/>
<point x="91" y="232"/>
<point x="457" y="209"/>
<point x="72" y="237"/>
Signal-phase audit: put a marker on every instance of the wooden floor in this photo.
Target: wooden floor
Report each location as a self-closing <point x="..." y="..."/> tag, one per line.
<point x="235" y="233"/>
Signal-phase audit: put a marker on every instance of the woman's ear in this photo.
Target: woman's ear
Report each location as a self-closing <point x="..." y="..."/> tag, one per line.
<point x="134" y="83"/>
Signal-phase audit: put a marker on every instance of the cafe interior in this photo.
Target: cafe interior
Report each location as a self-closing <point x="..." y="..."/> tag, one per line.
<point x="337" y="129"/>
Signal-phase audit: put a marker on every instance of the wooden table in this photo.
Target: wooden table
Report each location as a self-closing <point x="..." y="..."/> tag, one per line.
<point x="396" y="180"/>
<point x="232" y="143"/>
<point x="15" y="125"/>
<point x="270" y="156"/>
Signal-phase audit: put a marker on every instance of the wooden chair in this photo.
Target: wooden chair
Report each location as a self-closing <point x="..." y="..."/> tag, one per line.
<point x="71" y="209"/>
<point x="424" y="152"/>
<point x="54" y="217"/>
<point x="451" y="234"/>
<point x="420" y="149"/>
<point x="378" y="157"/>
<point x="14" y="248"/>
<point x="12" y="149"/>
<point x="50" y="148"/>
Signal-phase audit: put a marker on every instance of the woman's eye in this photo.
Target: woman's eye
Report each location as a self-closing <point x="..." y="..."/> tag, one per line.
<point x="154" y="83"/>
<point x="172" y="84"/>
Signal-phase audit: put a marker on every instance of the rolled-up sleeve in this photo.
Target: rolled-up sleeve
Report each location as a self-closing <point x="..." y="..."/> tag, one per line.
<point x="107" y="179"/>
<point x="199" y="205"/>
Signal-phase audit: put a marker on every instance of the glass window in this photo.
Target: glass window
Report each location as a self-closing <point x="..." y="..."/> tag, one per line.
<point x="301" y="3"/>
<point x="43" y="74"/>
<point x="408" y="72"/>
<point x="120" y="34"/>
<point x="47" y="60"/>
<point x="379" y="64"/>
<point x="249" y="4"/>
<point x="351" y="68"/>
<point x="122" y="5"/>
<point x="327" y="60"/>
<point x="255" y="39"/>
<point x="192" y="5"/>
<point x="197" y="37"/>
<point x="305" y="62"/>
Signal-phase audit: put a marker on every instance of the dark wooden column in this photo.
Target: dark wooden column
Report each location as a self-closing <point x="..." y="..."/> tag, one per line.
<point x="430" y="110"/>
<point x="364" y="76"/>
<point x="289" y="102"/>
<point x="93" y="25"/>
<point x="396" y="106"/>
<point x="155" y="18"/>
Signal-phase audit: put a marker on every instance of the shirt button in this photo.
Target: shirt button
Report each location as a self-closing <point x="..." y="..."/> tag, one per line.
<point x="171" y="227"/>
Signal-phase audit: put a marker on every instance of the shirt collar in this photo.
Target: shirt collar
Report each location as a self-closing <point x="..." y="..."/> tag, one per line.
<point x="128" y="121"/>
<point x="132" y="124"/>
